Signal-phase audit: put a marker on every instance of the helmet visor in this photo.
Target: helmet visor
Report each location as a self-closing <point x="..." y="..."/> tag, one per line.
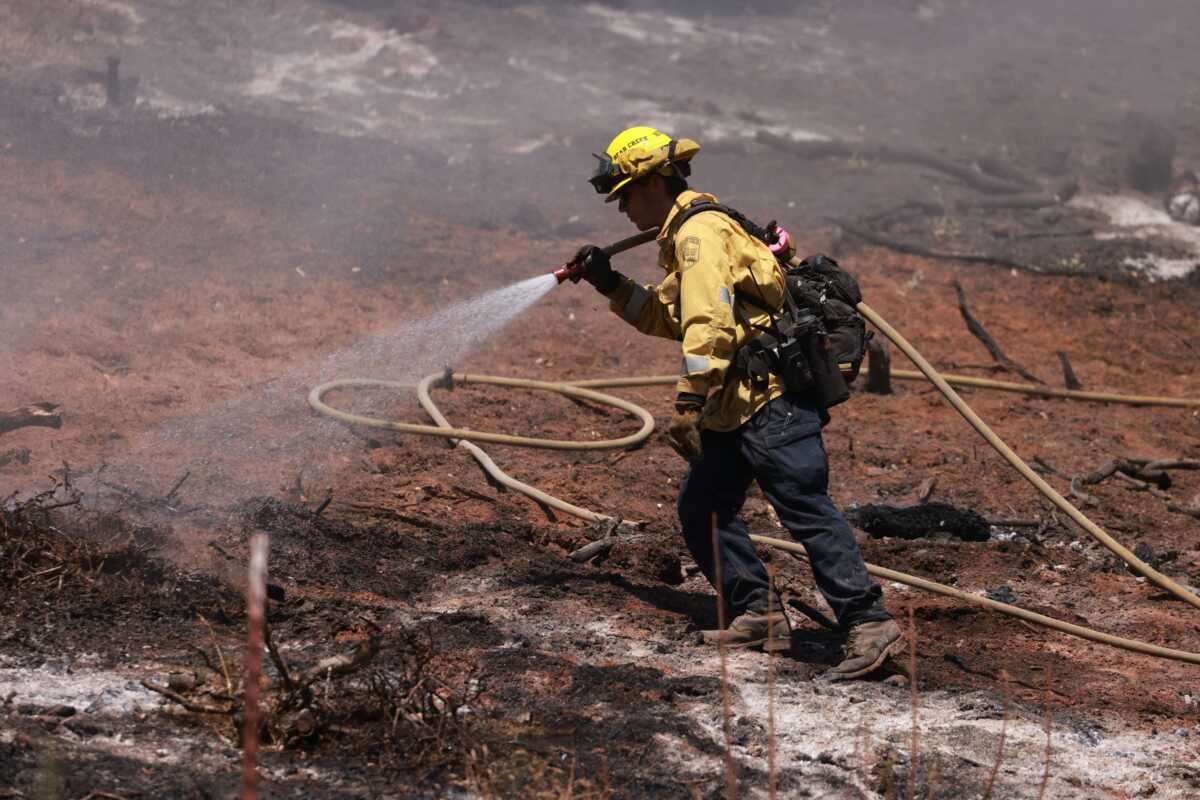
<point x="606" y="176"/>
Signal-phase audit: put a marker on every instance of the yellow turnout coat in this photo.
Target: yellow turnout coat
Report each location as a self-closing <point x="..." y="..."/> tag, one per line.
<point x="709" y="261"/>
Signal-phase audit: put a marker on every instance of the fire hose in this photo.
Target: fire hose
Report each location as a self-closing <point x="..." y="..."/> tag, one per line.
<point x="585" y="390"/>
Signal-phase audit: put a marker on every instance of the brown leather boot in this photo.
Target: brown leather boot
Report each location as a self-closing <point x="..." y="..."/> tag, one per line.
<point x="768" y="629"/>
<point x="867" y="647"/>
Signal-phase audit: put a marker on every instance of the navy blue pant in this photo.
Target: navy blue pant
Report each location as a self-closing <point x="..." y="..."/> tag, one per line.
<point x="781" y="448"/>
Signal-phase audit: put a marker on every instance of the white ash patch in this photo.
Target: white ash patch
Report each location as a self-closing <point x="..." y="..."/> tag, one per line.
<point x="343" y="64"/>
<point x="166" y="106"/>
<point x="1140" y="218"/>
<point x="1163" y="269"/>
<point x="830" y="735"/>
<point x="653" y="26"/>
<point x="844" y="724"/>
<point x="125" y="10"/>
<point x="96" y="692"/>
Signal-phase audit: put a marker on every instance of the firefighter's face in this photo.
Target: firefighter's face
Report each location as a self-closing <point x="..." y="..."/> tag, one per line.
<point x="645" y="202"/>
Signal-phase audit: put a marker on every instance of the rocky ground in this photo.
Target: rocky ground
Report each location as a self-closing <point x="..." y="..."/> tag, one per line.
<point x="285" y="196"/>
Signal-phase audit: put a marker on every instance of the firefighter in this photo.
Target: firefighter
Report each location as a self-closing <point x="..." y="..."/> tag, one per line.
<point x="729" y="431"/>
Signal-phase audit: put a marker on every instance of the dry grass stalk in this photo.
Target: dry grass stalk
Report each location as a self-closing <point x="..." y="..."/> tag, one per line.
<point x="1003" y="731"/>
<point x="912" y="690"/>
<point x="528" y="775"/>
<point x="861" y="748"/>
<point x="771" y="687"/>
<point x="212" y="635"/>
<point x="256" y="598"/>
<point x="1046" y="705"/>
<point x="730" y="772"/>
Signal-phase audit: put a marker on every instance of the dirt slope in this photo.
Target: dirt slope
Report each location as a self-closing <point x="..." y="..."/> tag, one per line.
<point x="178" y="281"/>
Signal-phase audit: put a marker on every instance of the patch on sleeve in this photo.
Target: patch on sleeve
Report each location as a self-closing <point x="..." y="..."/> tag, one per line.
<point x="691" y="251"/>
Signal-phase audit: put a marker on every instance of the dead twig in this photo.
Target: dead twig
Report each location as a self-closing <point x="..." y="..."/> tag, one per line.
<point x="726" y="712"/>
<point x="1167" y="463"/>
<point x="1003" y="731"/>
<point x="1142" y="486"/>
<point x="592" y="549"/>
<point x="171" y="494"/>
<point x="1077" y="233"/>
<point x="336" y="666"/>
<point x="1048" y="468"/>
<point x="1046" y="704"/>
<point x="277" y="660"/>
<point x="770" y="688"/>
<point x="1192" y="510"/>
<point x="912" y="684"/>
<point x="198" y="708"/>
<point x="220" y="656"/>
<point x="256" y="600"/>
<point x="324" y="504"/>
<point x="1174" y="333"/>
<point x="1080" y="495"/>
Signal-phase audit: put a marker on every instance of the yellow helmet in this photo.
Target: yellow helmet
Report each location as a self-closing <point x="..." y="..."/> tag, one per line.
<point x="637" y="152"/>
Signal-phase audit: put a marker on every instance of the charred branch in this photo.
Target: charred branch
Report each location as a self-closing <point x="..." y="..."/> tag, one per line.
<point x="875" y="151"/>
<point x="36" y="415"/>
<point x="1144" y="474"/>
<point x="344" y="664"/>
<point x="979" y="332"/>
<point x="1069" y="379"/>
<point x="593" y="549"/>
<point x="872" y="237"/>
<point x="190" y="705"/>
<point x="1040" y="199"/>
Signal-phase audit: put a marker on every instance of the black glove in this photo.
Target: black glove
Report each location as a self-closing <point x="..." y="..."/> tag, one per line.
<point x="597" y="269"/>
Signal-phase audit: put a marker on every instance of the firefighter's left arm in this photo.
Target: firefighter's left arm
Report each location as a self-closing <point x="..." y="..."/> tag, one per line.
<point x="706" y="306"/>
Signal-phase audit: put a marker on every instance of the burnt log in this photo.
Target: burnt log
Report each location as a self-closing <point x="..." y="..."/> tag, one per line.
<point x="915" y="522"/>
<point x="881" y="151"/>
<point x="36" y="415"/>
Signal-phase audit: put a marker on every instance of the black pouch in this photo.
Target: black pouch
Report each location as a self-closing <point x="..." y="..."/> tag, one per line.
<point x="821" y="285"/>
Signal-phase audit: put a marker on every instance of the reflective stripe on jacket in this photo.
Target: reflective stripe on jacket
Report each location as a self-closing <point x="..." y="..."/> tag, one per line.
<point x="708" y="261"/>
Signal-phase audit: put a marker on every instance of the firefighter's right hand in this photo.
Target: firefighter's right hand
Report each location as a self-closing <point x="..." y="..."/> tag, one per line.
<point x="596" y="269"/>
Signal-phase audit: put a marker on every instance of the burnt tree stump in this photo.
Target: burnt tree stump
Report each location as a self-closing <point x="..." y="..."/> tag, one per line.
<point x="40" y="415"/>
<point x="879" y="367"/>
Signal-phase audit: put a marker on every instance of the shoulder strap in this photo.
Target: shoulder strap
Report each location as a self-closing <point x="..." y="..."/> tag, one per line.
<point x="701" y="205"/>
<point x="693" y="208"/>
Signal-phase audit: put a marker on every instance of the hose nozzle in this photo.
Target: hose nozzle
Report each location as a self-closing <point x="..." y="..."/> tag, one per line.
<point x="569" y="272"/>
<point x="574" y="272"/>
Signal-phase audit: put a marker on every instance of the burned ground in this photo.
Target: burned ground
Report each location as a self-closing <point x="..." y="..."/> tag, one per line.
<point x="177" y="281"/>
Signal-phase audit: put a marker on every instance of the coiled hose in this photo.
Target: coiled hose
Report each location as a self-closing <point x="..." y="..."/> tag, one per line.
<point x="585" y="390"/>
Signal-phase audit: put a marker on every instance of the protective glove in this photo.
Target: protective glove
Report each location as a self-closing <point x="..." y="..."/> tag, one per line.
<point x="683" y="434"/>
<point x="597" y="269"/>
